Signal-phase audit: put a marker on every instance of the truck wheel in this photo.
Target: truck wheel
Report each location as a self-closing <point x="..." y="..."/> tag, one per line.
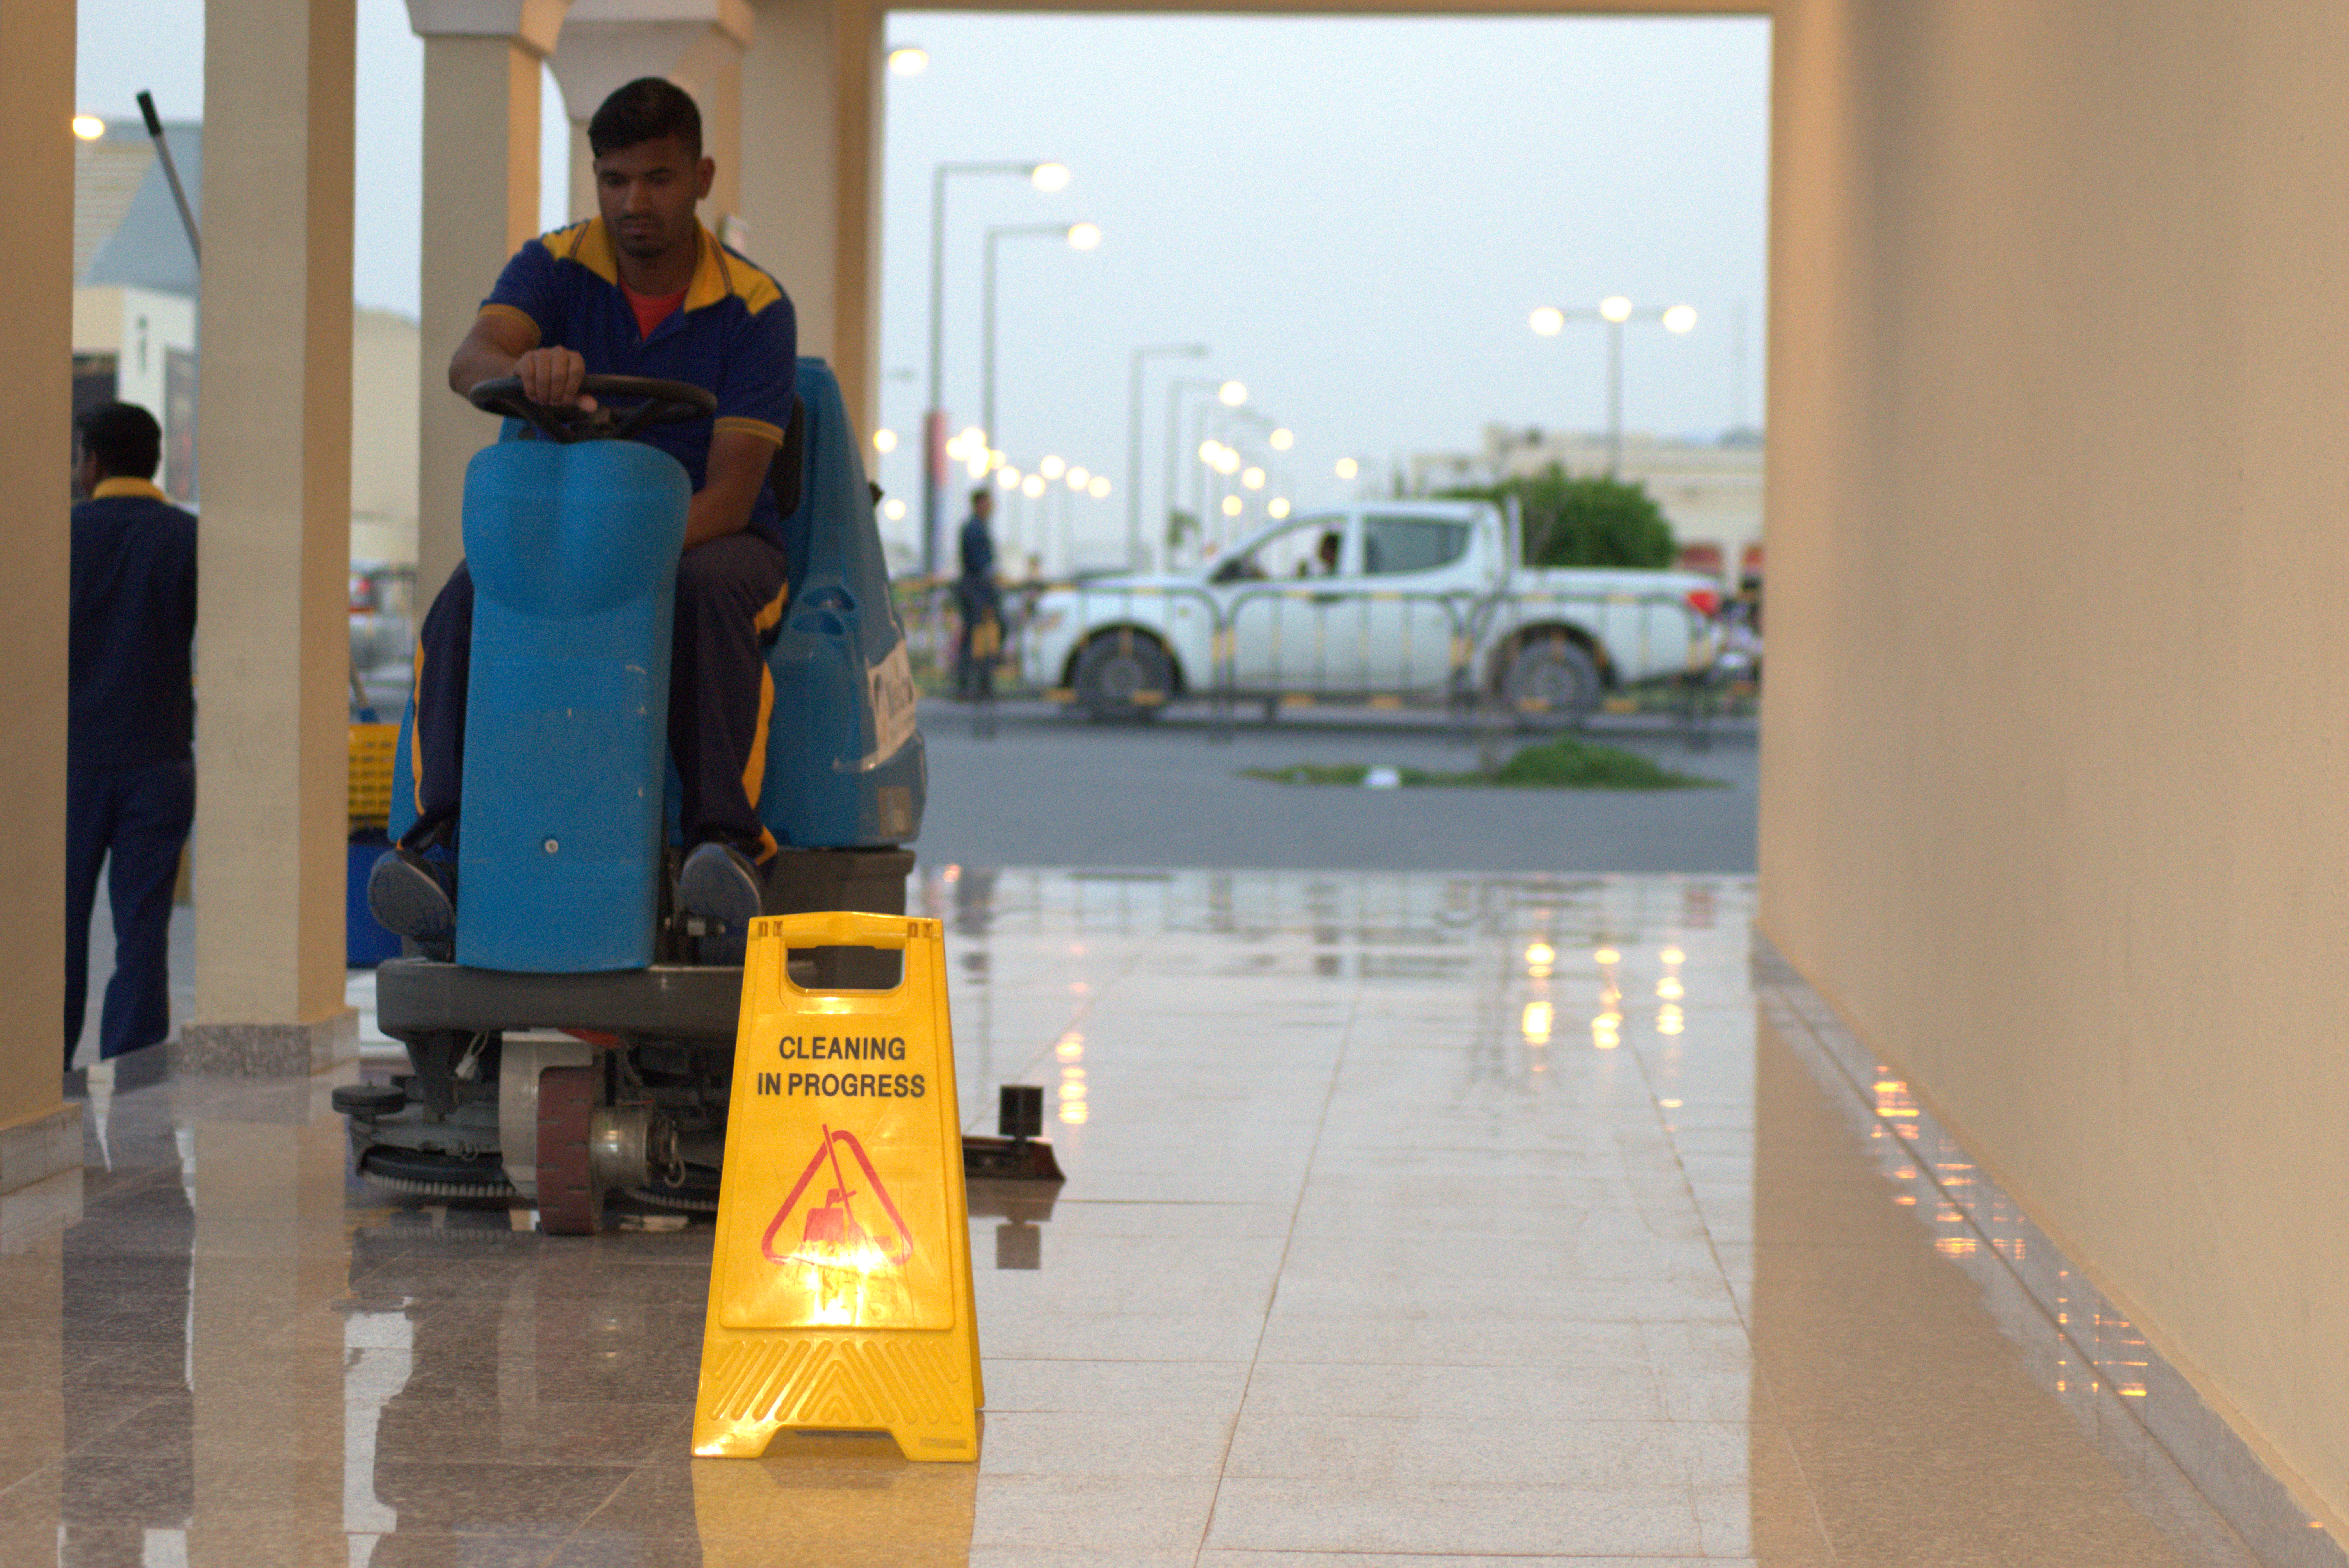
<point x="1123" y="676"/>
<point x="1550" y="676"/>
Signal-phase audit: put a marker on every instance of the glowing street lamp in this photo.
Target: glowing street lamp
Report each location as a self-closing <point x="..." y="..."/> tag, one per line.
<point x="1231" y="394"/>
<point x="1278" y="508"/>
<point x="88" y="127"/>
<point x="1615" y="310"/>
<point x="1052" y="467"/>
<point x="1348" y="468"/>
<point x="1098" y="487"/>
<point x="908" y="60"/>
<point x="884" y="442"/>
<point x="1282" y="439"/>
<point x="1078" y="479"/>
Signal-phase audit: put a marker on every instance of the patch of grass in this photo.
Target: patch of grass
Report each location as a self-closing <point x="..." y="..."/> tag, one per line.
<point x="1565" y="763"/>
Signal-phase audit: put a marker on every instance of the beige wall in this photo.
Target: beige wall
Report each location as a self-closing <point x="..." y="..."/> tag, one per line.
<point x="36" y="40"/>
<point x="812" y="176"/>
<point x="384" y="414"/>
<point x="2051" y="778"/>
<point x="273" y="652"/>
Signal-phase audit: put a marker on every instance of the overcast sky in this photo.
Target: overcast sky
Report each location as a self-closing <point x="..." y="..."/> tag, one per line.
<point x="1356" y="214"/>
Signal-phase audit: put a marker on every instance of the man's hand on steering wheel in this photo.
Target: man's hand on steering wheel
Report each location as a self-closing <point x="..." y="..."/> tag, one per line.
<point x="551" y="377"/>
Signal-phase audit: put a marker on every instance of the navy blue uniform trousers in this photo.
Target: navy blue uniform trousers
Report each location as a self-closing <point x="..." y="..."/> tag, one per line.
<point x="729" y="600"/>
<point x="141" y="816"/>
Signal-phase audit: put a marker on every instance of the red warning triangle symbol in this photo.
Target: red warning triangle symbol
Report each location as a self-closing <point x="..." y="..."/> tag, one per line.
<point x="836" y="1230"/>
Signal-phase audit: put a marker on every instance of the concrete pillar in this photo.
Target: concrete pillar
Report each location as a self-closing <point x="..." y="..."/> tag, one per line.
<point x="696" y="44"/>
<point x="811" y="101"/>
<point x="481" y="67"/>
<point x="274" y="653"/>
<point x="40" y="1135"/>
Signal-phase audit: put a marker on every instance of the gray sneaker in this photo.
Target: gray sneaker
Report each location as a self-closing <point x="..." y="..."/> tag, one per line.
<point x="413" y="897"/>
<point x="720" y="884"/>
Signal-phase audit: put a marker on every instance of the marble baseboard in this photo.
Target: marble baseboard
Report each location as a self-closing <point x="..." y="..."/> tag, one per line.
<point x="39" y="1146"/>
<point x="267" y="1050"/>
<point x="2146" y="1416"/>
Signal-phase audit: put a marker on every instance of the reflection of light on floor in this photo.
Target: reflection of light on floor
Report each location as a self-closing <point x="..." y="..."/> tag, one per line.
<point x="1669" y="1020"/>
<point x="1072" y="1047"/>
<point x="1607" y="1031"/>
<point x="1670" y="989"/>
<point x="1607" y="956"/>
<point x="1538" y="1018"/>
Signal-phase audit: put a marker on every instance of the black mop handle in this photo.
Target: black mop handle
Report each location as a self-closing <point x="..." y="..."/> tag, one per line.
<point x="171" y="173"/>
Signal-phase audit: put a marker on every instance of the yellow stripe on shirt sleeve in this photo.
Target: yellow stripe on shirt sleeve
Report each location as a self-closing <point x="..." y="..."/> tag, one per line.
<point x="509" y="312"/>
<point x="771" y="434"/>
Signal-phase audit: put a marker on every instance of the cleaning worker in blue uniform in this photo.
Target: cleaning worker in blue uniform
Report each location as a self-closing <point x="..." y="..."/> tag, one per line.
<point x="641" y="289"/>
<point x="130" y="773"/>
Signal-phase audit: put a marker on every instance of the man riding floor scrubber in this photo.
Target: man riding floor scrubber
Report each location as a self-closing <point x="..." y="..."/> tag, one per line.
<point x="575" y="1037"/>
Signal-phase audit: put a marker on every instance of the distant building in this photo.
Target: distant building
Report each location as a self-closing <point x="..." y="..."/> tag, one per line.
<point x="135" y="334"/>
<point x="1710" y="491"/>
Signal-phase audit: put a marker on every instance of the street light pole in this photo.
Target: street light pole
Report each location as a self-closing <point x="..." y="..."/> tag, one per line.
<point x="1046" y="177"/>
<point x="1133" y="442"/>
<point x="1614" y="398"/>
<point x="1075" y="234"/>
<point x="1175" y="388"/>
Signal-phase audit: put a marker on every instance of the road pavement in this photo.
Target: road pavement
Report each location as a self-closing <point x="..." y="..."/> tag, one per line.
<point x="1052" y="789"/>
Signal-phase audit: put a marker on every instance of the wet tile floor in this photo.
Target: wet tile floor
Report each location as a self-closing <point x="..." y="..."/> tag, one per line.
<point x="1410" y="1219"/>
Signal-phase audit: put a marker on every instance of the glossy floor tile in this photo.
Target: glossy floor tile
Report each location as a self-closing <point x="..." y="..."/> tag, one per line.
<point x="1410" y="1220"/>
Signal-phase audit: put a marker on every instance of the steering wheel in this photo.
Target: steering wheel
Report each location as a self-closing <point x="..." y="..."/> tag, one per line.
<point x="656" y="403"/>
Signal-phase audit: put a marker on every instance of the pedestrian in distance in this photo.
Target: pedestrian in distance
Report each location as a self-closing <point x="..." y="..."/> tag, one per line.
<point x="130" y="773"/>
<point x="975" y="591"/>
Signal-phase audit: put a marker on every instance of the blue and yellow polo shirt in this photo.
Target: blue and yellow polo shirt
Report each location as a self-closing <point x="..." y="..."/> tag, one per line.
<point x="736" y="334"/>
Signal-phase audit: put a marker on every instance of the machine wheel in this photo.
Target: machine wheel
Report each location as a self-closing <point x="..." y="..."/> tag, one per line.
<point x="1550" y="676"/>
<point x="1117" y="668"/>
<point x="569" y="1203"/>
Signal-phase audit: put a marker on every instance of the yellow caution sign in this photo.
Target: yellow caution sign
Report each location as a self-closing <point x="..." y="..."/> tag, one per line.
<point x="840" y="1294"/>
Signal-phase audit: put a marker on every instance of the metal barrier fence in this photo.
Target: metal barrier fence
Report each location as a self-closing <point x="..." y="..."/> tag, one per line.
<point x="1509" y="653"/>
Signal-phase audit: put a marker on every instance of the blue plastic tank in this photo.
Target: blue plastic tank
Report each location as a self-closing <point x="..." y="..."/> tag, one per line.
<point x="846" y="764"/>
<point x="572" y="551"/>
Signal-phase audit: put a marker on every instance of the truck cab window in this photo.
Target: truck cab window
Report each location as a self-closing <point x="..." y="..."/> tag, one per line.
<point x="1398" y="544"/>
<point x="1296" y="550"/>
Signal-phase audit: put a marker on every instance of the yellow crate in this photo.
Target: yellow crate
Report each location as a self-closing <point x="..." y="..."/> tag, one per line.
<point x="372" y="749"/>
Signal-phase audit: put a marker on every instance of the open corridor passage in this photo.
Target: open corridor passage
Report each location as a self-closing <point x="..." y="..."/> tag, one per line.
<point x="1410" y="1219"/>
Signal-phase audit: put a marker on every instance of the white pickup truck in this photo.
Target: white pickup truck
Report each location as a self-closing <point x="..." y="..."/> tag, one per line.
<point x="1378" y="603"/>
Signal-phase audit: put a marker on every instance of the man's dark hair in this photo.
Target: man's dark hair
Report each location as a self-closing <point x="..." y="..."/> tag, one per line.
<point x="644" y="110"/>
<point x="124" y="438"/>
<point x="982" y="494"/>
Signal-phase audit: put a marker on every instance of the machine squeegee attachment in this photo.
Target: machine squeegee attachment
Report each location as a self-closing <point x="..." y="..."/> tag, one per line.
<point x="1018" y="1153"/>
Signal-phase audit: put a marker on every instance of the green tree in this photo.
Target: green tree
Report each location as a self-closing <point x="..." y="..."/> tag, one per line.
<point x="1586" y="519"/>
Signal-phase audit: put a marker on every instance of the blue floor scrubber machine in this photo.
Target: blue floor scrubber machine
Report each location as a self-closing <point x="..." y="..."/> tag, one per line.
<point x="576" y="1044"/>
